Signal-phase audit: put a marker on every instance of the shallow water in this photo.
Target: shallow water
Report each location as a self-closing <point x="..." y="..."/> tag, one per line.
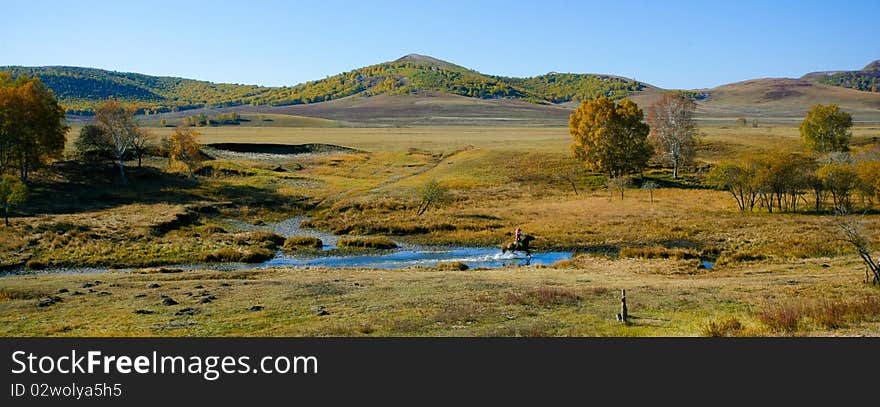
<point x="427" y="257"/>
<point x="406" y="256"/>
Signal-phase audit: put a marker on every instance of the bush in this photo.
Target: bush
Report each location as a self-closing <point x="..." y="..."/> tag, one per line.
<point x="93" y="145"/>
<point x="378" y="243"/>
<point x="35" y="264"/>
<point x="296" y="243"/>
<point x="452" y="266"/>
<point x="782" y="317"/>
<point x="725" y="327"/>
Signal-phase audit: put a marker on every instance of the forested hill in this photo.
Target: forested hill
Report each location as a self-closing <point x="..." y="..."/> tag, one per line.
<point x="867" y="79"/>
<point x="80" y="89"/>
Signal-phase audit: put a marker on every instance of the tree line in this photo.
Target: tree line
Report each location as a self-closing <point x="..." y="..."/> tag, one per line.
<point x="203" y="120"/>
<point x="616" y="139"/>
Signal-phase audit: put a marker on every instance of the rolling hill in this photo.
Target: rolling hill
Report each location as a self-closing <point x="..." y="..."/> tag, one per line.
<point x="80" y="89"/>
<point x="785" y="98"/>
<point x="418" y="89"/>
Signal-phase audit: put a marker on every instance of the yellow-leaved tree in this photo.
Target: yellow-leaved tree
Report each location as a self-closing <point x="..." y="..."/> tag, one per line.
<point x="825" y="129"/>
<point x="183" y="147"/>
<point x="610" y="137"/>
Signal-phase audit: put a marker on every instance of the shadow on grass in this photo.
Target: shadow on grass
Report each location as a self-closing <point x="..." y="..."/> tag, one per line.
<point x="70" y="187"/>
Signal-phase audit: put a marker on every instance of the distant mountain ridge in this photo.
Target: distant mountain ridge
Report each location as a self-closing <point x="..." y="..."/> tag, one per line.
<point x="81" y="89"/>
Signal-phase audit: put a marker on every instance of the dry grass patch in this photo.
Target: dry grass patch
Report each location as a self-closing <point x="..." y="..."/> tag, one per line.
<point x="730" y="326"/>
<point x="376" y="243"/>
<point x="298" y="243"/>
<point x="544" y="296"/>
<point x="239" y="255"/>
<point x="658" y="253"/>
<point x="452" y="266"/>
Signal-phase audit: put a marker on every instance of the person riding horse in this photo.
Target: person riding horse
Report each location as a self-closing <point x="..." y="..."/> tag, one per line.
<point x="520" y="243"/>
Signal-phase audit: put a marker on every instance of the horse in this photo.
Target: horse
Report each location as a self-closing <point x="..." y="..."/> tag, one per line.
<point x="523" y="247"/>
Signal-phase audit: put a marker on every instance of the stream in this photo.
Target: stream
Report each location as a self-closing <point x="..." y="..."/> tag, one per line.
<point x="405" y="256"/>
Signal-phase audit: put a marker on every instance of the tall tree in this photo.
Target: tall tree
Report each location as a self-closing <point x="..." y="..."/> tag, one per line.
<point x="32" y="128"/>
<point x="118" y="123"/>
<point x="826" y="129"/>
<point x="610" y="137"/>
<point x="673" y="130"/>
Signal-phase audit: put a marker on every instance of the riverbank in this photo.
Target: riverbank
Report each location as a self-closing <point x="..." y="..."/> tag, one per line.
<point x="576" y="298"/>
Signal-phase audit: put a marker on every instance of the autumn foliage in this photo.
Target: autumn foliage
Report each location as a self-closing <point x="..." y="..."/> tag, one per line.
<point x="610" y="137"/>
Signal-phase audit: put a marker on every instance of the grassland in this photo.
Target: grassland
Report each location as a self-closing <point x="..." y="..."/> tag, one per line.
<point x="775" y="274"/>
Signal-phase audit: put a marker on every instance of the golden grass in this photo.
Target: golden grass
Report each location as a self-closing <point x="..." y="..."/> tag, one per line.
<point x="379" y="243"/>
<point x="580" y="301"/>
<point x="500" y="179"/>
<point x="297" y="243"/>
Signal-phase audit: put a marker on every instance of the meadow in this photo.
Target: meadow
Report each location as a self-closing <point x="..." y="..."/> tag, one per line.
<point x="772" y="274"/>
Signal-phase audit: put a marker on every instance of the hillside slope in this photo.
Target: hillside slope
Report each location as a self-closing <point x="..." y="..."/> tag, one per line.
<point x="80" y="89"/>
<point x="783" y="97"/>
<point x="867" y="79"/>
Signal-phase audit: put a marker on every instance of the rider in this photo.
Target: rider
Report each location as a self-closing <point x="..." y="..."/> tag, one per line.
<point x="517" y="238"/>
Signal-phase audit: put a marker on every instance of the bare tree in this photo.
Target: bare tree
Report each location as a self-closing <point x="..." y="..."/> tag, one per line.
<point x="118" y="123"/>
<point x="852" y="231"/>
<point x="618" y="184"/>
<point x="650" y="186"/>
<point x="570" y="175"/>
<point x="673" y="130"/>
<point x="140" y="143"/>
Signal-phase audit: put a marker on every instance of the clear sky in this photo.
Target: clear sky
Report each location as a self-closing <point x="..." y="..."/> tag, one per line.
<point x="672" y="44"/>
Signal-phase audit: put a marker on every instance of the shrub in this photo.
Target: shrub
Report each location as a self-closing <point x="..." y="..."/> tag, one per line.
<point x="835" y="314"/>
<point x="726" y="327"/>
<point x="378" y="243"/>
<point x="452" y="266"/>
<point x="295" y="243"/>
<point x="782" y="317"/>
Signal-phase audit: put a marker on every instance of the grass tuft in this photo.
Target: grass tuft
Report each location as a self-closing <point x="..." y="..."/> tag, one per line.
<point x="730" y="326"/>
<point x="452" y="266"/>
<point x="298" y="243"/>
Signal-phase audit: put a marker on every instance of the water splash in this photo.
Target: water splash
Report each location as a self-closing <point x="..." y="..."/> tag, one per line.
<point x="472" y="256"/>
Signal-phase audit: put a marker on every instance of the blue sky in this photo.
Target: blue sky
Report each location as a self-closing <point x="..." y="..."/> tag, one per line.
<point x="672" y="44"/>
